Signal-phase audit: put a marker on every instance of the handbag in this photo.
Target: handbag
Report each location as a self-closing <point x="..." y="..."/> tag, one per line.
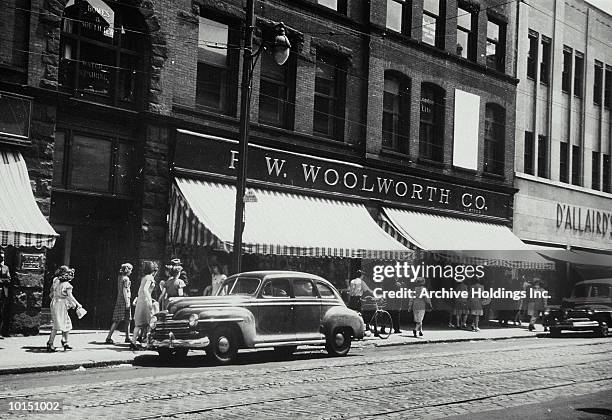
<point x="81" y="312"/>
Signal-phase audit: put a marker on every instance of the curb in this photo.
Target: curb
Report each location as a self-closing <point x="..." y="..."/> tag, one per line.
<point x="56" y="368"/>
<point x="452" y="340"/>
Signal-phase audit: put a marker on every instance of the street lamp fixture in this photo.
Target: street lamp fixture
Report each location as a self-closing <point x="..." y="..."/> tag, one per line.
<point x="280" y="51"/>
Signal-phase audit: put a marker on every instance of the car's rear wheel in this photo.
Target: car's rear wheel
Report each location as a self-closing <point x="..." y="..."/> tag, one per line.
<point x="338" y="343"/>
<point x="602" y="330"/>
<point x="223" y="346"/>
<point x="555" y="332"/>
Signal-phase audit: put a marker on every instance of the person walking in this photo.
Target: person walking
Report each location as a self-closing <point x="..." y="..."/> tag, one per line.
<point x="5" y="283"/>
<point x="475" y="304"/>
<point x="217" y="278"/>
<point x="460" y="308"/>
<point x="418" y="305"/>
<point x="173" y="287"/>
<point x="356" y="288"/>
<point x="144" y="301"/>
<point x="536" y="303"/>
<point x="123" y="304"/>
<point x="61" y="300"/>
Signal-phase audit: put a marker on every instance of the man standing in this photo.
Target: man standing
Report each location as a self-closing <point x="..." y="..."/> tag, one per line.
<point x="5" y="282"/>
<point x="356" y="288"/>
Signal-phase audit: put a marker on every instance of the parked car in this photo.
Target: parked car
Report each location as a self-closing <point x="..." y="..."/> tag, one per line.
<point x="279" y="309"/>
<point x="589" y="308"/>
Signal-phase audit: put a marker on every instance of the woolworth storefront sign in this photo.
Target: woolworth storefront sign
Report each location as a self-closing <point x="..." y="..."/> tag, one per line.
<point x="221" y="157"/>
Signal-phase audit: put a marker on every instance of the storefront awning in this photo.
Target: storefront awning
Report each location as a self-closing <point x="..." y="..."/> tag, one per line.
<point x="277" y="223"/>
<point x="588" y="264"/>
<point x="21" y="222"/>
<point x="462" y="240"/>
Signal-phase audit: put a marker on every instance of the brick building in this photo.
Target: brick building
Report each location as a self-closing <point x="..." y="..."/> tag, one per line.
<point x="403" y="112"/>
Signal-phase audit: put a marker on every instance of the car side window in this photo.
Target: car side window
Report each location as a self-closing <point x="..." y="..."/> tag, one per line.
<point x="600" y="290"/>
<point x="303" y="288"/>
<point x="276" y="288"/>
<point x="325" y="291"/>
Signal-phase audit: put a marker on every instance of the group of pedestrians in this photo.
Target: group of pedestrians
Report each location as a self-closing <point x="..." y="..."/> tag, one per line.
<point x="468" y="309"/>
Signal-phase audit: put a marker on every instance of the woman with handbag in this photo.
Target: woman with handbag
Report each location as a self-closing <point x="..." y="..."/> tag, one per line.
<point x="418" y="305"/>
<point x="62" y="300"/>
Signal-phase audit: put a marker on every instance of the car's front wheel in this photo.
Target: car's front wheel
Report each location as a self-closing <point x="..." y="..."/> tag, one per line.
<point x="602" y="330"/>
<point x="223" y="346"/>
<point x="338" y="343"/>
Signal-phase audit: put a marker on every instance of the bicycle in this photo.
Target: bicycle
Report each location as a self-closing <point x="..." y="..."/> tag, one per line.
<point x="380" y="318"/>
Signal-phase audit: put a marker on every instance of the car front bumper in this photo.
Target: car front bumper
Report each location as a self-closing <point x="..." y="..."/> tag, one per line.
<point x="172" y="342"/>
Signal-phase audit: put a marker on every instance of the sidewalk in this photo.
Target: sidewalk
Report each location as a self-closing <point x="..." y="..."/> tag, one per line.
<point x="28" y="354"/>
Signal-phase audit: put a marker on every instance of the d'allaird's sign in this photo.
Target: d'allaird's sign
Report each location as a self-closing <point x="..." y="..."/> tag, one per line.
<point x="220" y="156"/>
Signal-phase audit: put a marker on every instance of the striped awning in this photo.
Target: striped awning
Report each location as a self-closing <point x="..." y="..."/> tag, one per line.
<point x="462" y="241"/>
<point x="21" y="222"/>
<point x="278" y="223"/>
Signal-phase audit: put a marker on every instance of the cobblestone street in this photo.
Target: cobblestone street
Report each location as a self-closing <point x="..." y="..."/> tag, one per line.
<point x="428" y="381"/>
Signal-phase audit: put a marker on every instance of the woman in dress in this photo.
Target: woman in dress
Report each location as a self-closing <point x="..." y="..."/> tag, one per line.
<point x="61" y="300"/>
<point x="123" y="304"/>
<point x="144" y="302"/>
<point x="460" y="308"/>
<point x="419" y="305"/>
<point x="475" y="304"/>
<point x="172" y="287"/>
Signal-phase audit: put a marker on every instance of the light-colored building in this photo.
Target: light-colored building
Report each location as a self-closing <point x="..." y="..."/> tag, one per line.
<point x="563" y="131"/>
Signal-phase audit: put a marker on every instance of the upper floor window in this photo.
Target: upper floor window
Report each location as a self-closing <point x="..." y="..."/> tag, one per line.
<point x="496" y="50"/>
<point x="494" y="139"/>
<point x="466" y="33"/>
<point x="14" y="117"/>
<point x="608" y="86"/>
<point x="329" y="97"/>
<point x="576" y="165"/>
<point x="542" y="156"/>
<point x="545" y="61"/>
<point x="217" y="74"/>
<point x="578" y="73"/>
<point x="606" y="185"/>
<point x="431" y="139"/>
<point x="276" y="92"/>
<point x="563" y="162"/>
<point x="595" y="172"/>
<point x="92" y="163"/>
<point x="597" y="82"/>
<point x="337" y="5"/>
<point x="532" y="54"/>
<point x="432" y="27"/>
<point x="396" y="111"/>
<point x="567" y="69"/>
<point x="101" y="51"/>
<point x="528" y="153"/>
<point x="399" y="16"/>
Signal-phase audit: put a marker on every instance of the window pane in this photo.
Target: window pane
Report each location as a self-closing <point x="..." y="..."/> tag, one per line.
<point x="462" y="43"/>
<point x="492" y="31"/>
<point x="563" y="162"/>
<point x="323" y="116"/>
<point x="528" y="155"/>
<point x="58" y="157"/>
<point x="124" y="174"/>
<point x="542" y="156"/>
<point x="96" y="69"/>
<point x="272" y="103"/>
<point x="394" y="15"/>
<point x="325" y="291"/>
<point x="277" y="288"/>
<point x="127" y="77"/>
<point x="91" y="163"/>
<point x="464" y="18"/>
<point x="432" y="6"/>
<point x="303" y="288"/>
<point x="576" y="165"/>
<point x="429" y="29"/>
<point x="567" y="70"/>
<point x="211" y="86"/>
<point x="332" y="4"/>
<point x="212" y="42"/>
<point x="14" y="115"/>
<point x="578" y="74"/>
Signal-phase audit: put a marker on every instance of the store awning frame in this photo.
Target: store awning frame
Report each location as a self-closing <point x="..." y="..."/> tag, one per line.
<point x="279" y="223"/>
<point x="22" y="224"/>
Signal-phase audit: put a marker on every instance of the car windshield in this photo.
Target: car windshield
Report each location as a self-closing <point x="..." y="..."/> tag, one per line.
<point x="239" y="286"/>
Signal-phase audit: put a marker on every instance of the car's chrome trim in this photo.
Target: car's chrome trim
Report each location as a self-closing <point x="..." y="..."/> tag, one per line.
<point x="289" y="343"/>
<point x="172" y="343"/>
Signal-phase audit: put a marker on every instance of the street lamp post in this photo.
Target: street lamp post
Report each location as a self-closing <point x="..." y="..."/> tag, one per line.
<point x="281" y="47"/>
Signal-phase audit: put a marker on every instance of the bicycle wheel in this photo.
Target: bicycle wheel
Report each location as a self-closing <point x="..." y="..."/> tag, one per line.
<point x="384" y="323"/>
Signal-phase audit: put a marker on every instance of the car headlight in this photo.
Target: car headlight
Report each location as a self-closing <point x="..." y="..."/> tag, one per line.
<point x="546" y="312"/>
<point x="193" y="320"/>
<point x="153" y="322"/>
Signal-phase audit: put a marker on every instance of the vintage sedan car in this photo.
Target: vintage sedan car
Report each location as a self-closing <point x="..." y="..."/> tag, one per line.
<point x="279" y="309"/>
<point x="589" y="308"/>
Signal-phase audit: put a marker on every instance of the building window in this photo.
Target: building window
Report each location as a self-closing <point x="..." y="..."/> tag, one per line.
<point x="101" y="51"/>
<point x="595" y="173"/>
<point x="15" y="117"/>
<point x="217" y="74"/>
<point x="567" y="69"/>
<point x="607" y="169"/>
<point x="542" y="156"/>
<point x="528" y="153"/>
<point x="329" y="97"/>
<point x="276" y="92"/>
<point x="337" y="5"/>
<point x="597" y="82"/>
<point x="578" y="73"/>
<point x="399" y="16"/>
<point x="431" y="140"/>
<point x="466" y="33"/>
<point x="432" y="23"/>
<point x="532" y="55"/>
<point x="545" y="61"/>
<point x="90" y="163"/>
<point x="576" y="165"/>
<point x="563" y="162"/>
<point x="496" y="50"/>
<point x="608" y="86"/>
<point x="396" y="114"/>
<point x="494" y="139"/>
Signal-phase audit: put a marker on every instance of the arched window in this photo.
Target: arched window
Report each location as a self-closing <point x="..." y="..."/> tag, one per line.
<point x="101" y="51"/>
<point x="494" y="139"/>
<point x="431" y="137"/>
<point x="396" y="113"/>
